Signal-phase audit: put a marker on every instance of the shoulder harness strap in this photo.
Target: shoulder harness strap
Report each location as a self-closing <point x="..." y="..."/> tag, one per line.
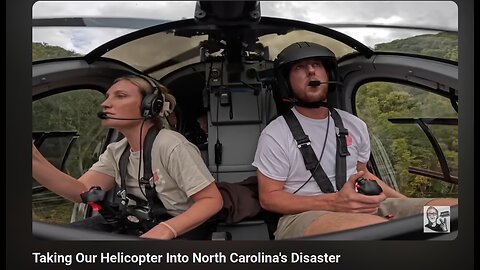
<point x="158" y="209"/>
<point x="309" y="156"/>
<point x="156" y="205"/>
<point x="342" y="150"/>
<point x="122" y="193"/>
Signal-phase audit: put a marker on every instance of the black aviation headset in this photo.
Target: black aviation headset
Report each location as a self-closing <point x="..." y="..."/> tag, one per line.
<point x="151" y="105"/>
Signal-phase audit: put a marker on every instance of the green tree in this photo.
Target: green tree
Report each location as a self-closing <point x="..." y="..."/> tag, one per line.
<point x="68" y="111"/>
<point x="43" y="51"/>
<point x="405" y="144"/>
<point x="443" y="45"/>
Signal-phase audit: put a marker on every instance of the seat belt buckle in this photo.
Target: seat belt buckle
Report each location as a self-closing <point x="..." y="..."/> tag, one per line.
<point x="305" y="141"/>
<point x="148" y="182"/>
<point x="342" y="131"/>
<point x="123" y="195"/>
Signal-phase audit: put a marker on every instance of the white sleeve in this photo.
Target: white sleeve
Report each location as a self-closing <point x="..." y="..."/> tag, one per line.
<point x="364" y="144"/>
<point x="106" y="162"/>
<point x="271" y="159"/>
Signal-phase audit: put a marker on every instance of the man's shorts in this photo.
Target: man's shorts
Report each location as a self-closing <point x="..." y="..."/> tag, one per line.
<point x="291" y="226"/>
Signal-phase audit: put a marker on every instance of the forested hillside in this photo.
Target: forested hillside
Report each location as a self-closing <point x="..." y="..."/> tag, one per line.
<point x="442" y="45"/>
<point x="406" y="145"/>
<point x="71" y="111"/>
<point x="41" y="51"/>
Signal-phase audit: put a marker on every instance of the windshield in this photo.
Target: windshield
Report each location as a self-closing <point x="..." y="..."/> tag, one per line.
<point x="78" y="27"/>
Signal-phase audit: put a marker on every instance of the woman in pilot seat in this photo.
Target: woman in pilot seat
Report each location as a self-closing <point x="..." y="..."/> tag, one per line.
<point x="135" y="106"/>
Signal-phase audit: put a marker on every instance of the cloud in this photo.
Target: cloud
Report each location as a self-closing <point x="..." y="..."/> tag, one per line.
<point x="83" y="39"/>
<point x="431" y="13"/>
<point x="132" y="9"/>
<point x="395" y="19"/>
<point x="76" y="39"/>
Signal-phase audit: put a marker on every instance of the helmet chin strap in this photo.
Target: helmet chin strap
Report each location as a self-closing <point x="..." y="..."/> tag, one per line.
<point x="307" y="104"/>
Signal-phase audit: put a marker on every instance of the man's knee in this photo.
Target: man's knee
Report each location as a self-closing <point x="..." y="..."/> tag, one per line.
<point x="341" y="221"/>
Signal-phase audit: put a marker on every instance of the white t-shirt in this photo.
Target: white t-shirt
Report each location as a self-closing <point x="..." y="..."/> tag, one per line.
<point x="279" y="158"/>
<point x="177" y="167"/>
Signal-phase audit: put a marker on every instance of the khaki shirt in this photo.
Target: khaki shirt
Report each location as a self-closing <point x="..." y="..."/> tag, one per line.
<point x="177" y="167"/>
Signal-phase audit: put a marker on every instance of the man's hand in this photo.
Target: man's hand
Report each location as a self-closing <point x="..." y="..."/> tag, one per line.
<point x="347" y="200"/>
<point x="443" y="224"/>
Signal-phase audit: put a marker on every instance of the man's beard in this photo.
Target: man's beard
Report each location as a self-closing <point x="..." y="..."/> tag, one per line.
<point x="311" y="102"/>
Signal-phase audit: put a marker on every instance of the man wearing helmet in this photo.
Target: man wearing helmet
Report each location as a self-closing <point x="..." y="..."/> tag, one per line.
<point x="318" y="198"/>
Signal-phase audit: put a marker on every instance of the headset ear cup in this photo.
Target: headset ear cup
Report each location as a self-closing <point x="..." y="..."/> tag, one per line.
<point x="145" y="108"/>
<point x="151" y="106"/>
<point x="332" y="76"/>
<point x="283" y="85"/>
<point x="157" y="106"/>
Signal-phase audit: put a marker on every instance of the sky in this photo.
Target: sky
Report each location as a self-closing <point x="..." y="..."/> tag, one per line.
<point x="438" y="14"/>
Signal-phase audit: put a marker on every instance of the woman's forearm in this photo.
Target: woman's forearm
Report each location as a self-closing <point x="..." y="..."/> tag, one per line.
<point x="55" y="180"/>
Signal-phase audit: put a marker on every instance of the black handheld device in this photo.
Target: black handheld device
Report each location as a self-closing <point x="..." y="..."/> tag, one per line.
<point x="367" y="186"/>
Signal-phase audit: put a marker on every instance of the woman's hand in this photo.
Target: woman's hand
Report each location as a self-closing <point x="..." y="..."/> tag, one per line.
<point x="163" y="231"/>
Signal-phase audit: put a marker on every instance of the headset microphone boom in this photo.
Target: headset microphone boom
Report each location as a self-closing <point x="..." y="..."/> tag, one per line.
<point x="104" y="116"/>
<point x="317" y="83"/>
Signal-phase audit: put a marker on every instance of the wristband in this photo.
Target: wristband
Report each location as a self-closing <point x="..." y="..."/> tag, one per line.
<point x="170" y="228"/>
